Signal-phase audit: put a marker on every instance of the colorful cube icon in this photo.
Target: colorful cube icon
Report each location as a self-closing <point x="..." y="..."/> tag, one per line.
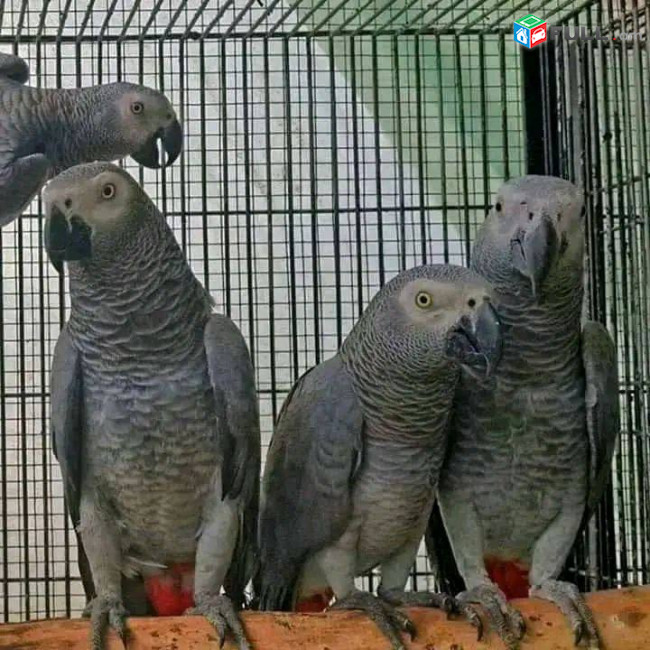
<point x="530" y="31"/>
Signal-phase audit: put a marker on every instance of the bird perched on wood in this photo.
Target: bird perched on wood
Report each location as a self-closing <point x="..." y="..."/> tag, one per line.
<point x="353" y="466"/>
<point x="154" y="412"/>
<point x="531" y="448"/>
<point x="44" y="131"/>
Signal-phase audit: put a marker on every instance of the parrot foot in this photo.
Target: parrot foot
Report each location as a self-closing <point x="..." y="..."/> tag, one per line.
<point x="107" y="611"/>
<point x="446" y="603"/>
<point x="389" y="620"/>
<point x="572" y="604"/>
<point x="221" y="614"/>
<point x="400" y="598"/>
<point x="508" y="623"/>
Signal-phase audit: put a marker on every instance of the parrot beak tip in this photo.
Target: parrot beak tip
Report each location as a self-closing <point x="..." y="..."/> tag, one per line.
<point x="162" y="149"/>
<point x="475" y="343"/>
<point x="66" y="239"/>
<point x="172" y="142"/>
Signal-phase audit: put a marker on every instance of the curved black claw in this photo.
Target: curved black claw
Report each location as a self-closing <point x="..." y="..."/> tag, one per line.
<point x="507" y="622"/>
<point x="471" y="615"/>
<point x="221" y="614"/>
<point x="572" y="604"/>
<point x="104" y="612"/>
<point x="389" y="620"/>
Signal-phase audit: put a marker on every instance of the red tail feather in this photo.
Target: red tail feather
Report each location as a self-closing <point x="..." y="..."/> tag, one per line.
<point x="172" y="591"/>
<point x="316" y="603"/>
<point x="511" y="576"/>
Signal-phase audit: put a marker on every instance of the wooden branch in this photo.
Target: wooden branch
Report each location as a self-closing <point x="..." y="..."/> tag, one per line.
<point x="623" y="618"/>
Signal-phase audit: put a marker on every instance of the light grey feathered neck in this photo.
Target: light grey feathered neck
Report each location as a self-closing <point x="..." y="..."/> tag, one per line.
<point x="552" y="324"/>
<point x="398" y="404"/>
<point x="146" y="303"/>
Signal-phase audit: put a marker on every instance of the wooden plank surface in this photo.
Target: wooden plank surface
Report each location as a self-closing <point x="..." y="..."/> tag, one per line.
<point x="623" y="619"/>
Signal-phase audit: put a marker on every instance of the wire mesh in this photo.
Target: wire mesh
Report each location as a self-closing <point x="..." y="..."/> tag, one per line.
<point x="328" y="145"/>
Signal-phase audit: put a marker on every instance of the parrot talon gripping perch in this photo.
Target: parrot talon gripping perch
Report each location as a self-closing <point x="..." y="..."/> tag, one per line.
<point x="389" y="620"/>
<point x="107" y="612"/>
<point x="507" y="622"/>
<point x="220" y="613"/>
<point x="574" y="608"/>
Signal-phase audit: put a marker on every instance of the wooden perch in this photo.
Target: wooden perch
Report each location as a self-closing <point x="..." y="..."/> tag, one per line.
<point x="623" y="618"/>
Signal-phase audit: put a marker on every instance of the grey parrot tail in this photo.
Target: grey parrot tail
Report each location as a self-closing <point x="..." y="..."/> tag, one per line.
<point x="274" y="584"/>
<point x="275" y="597"/>
<point x="84" y="571"/>
<point x="245" y="560"/>
<point x="441" y="555"/>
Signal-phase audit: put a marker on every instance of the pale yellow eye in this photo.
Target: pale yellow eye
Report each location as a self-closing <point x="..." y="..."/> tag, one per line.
<point x="424" y="300"/>
<point x="108" y="191"/>
<point x="137" y="107"/>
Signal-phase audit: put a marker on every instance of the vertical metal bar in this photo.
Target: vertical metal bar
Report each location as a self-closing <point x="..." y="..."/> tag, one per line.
<point x="399" y="145"/>
<point x="485" y="154"/>
<point x="463" y="146"/>
<point x="613" y="266"/>
<point x="161" y="87"/>
<point x="644" y="108"/>
<point x="443" y="149"/>
<point x="378" y="174"/>
<point x="226" y="176"/>
<point x="357" y="173"/>
<point x="420" y="139"/>
<point x="335" y="189"/>
<point x="639" y="109"/>
<point x="141" y="82"/>
<point x="182" y="162"/>
<point x="624" y="320"/>
<point x="504" y="106"/>
<point x="636" y="300"/>
<point x="271" y="244"/>
<point x="290" y="208"/>
<point x="204" y="169"/>
<point x="313" y="200"/>
<point x="250" y="231"/>
<point x="24" y="439"/>
<point x="43" y="362"/>
<point x="603" y="522"/>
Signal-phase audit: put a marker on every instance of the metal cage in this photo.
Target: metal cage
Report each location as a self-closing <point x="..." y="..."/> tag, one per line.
<point x="330" y="144"/>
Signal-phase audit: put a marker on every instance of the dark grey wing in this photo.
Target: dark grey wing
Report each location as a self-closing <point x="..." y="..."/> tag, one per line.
<point x="14" y="68"/>
<point x="310" y="468"/>
<point x="66" y="402"/>
<point x="233" y="383"/>
<point x="602" y="406"/>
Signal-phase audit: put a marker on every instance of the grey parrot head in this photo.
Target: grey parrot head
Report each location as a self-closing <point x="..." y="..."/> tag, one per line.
<point x="434" y="315"/>
<point x="92" y="210"/>
<point x="533" y="232"/>
<point x="147" y="122"/>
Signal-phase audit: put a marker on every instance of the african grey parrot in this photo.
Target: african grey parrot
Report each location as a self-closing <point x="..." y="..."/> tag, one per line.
<point x="44" y="131"/>
<point x="154" y="410"/>
<point x="353" y="465"/>
<point x="530" y="449"/>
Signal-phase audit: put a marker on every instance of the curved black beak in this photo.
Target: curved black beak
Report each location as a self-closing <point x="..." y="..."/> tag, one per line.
<point x="66" y="240"/>
<point x="171" y="138"/>
<point x="533" y="250"/>
<point x="476" y="341"/>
